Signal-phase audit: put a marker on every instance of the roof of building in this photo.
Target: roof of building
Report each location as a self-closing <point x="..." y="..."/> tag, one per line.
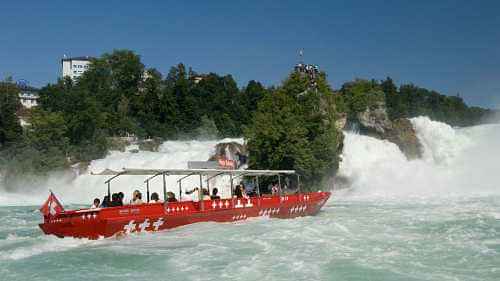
<point x="85" y="58"/>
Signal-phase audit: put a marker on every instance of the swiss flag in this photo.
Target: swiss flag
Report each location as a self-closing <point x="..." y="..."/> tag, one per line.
<point x="52" y="206"/>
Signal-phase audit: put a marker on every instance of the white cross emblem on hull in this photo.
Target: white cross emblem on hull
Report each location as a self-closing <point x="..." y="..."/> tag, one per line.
<point x="144" y="225"/>
<point x="249" y="203"/>
<point x="130" y="227"/>
<point x="239" y="205"/>
<point x="157" y="224"/>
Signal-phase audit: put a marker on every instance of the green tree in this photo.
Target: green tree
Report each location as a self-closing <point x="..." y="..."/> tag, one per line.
<point x="10" y="129"/>
<point x="178" y="86"/>
<point x="360" y="95"/>
<point x="395" y="105"/>
<point x="207" y="129"/>
<point x="250" y="97"/>
<point x="222" y="102"/>
<point x="294" y="128"/>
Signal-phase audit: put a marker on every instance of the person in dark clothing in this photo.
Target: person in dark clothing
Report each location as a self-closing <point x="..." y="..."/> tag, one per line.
<point x="155" y="198"/>
<point x="115" y="200"/>
<point x="243" y="159"/>
<point x="121" y="196"/>
<point x="171" y="197"/>
<point x="214" y="194"/>
<point x="237" y="192"/>
<point x="105" y="202"/>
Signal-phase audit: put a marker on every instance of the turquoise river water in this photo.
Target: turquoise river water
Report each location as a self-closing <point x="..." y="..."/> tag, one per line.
<point x="456" y="239"/>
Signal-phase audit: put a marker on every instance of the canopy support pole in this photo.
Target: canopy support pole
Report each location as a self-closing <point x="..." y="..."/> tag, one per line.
<point x="180" y="184"/>
<point x="109" y="190"/>
<point x="180" y="190"/>
<point x="208" y="187"/>
<point x="164" y="188"/>
<point x="298" y="183"/>
<point x="257" y="186"/>
<point x="201" y="195"/>
<point x="232" y="184"/>
<point x="147" y="184"/>
<point x="279" y="185"/>
<point x="108" y="181"/>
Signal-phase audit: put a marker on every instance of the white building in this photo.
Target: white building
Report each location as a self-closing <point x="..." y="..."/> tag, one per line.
<point x="75" y="67"/>
<point x="28" y="96"/>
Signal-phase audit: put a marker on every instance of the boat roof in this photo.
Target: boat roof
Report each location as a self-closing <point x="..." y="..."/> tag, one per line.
<point x="173" y="172"/>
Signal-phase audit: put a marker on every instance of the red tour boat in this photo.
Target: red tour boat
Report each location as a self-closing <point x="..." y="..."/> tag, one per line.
<point x="94" y="223"/>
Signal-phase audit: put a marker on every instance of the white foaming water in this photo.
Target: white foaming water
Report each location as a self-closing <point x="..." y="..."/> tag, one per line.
<point x="455" y="162"/>
<point x="460" y="162"/>
<point x="83" y="188"/>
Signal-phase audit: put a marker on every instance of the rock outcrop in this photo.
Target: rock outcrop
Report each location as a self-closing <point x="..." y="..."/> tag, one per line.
<point x="404" y="136"/>
<point x="230" y="151"/>
<point x="152" y="145"/>
<point x="375" y="122"/>
<point x="375" y="119"/>
<point x="341" y="121"/>
<point x="118" y="143"/>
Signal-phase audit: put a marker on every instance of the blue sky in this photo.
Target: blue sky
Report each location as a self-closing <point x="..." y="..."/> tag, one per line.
<point x="449" y="46"/>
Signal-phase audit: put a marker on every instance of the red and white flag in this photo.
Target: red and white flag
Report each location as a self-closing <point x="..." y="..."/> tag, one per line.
<point x="226" y="163"/>
<point x="52" y="206"/>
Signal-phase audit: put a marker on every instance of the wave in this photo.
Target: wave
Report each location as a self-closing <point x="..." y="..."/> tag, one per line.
<point x="456" y="161"/>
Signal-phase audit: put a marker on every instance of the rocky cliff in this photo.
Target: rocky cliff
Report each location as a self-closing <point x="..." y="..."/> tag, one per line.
<point x="375" y="122"/>
<point x="229" y="151"/>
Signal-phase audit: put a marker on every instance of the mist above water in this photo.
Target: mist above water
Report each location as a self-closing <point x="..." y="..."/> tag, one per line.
<point x="81" y="189"/>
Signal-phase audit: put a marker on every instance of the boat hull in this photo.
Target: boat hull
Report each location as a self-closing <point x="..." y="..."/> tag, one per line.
<point x="118" y="221"/>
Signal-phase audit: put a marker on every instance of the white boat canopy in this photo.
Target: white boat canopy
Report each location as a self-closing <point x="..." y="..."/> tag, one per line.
<point x="209" y="173"/>
<point x="180" y="172"/>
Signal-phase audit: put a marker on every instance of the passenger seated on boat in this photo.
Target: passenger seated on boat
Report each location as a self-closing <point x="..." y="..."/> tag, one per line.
<point x="137" y="199"/>
<point x="155" y="198"/>
<point x="105" y="202"/>
<point x="134" y="194"/>
<point x="244" y="191"/>
<point x="206" y="194"/>
<point x="238" y="192"/>
<point x="121" y="196"/>
<point x="195" y="197"/>
<point x="214" y="194"/>
<point x="96" y="204"/>
<point x="252" y="192"/>
<point x="115" y="200"/>
<point x="171" y="197"/>
<point x="275" y="189"/>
